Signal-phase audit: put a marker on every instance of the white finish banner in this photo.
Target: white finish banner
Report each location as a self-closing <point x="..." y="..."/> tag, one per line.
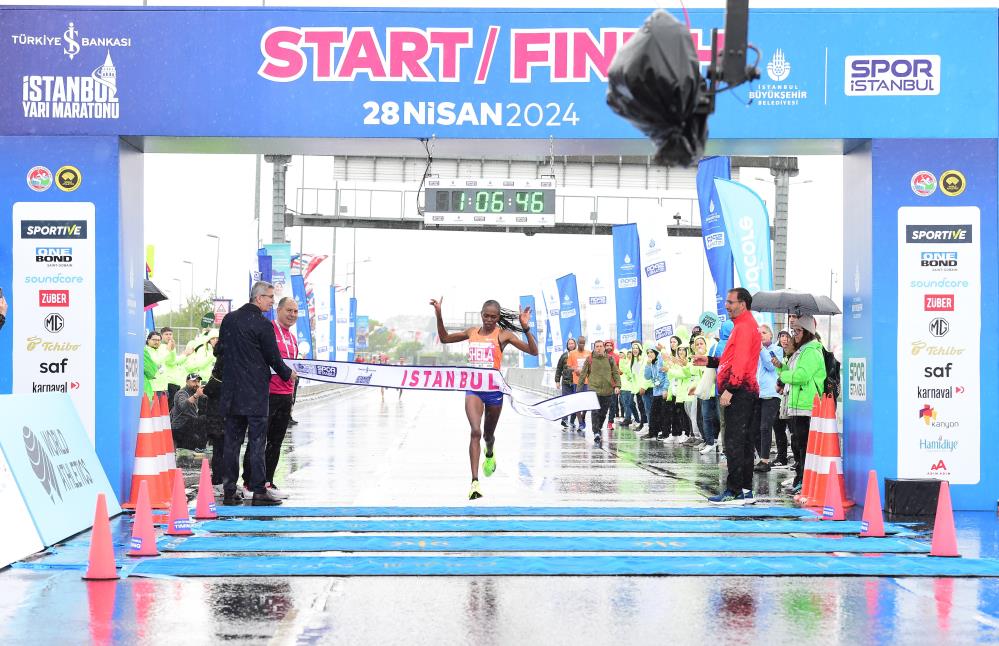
<point x="939" y="343"/>
<point x="652" y="234"/>
<point x="440" y="378"/>
<point x="54" y="292"/>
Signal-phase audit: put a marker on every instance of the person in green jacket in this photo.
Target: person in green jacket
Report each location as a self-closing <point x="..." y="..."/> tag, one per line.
<point x="605" y="379"/>
<point x="632" y="384"/>
<point x="202" y="357"/>
<point x="149" y="366"/>
<point x="165" y="356"/>
<point x="804" y="373"/>
<point x="679" y="387"/>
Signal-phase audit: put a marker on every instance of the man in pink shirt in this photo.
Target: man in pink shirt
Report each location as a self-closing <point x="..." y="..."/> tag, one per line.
<point x="281" y="393"/>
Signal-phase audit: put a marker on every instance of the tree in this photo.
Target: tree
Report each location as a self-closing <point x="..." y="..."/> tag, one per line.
<point x="187" y="315"/>
<point x="406" y="350"/>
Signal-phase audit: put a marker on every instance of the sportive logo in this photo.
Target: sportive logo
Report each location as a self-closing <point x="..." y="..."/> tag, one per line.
<point x="938" y="302"/>
<point x="54" y="229"/>
<point x="939" y="260"/>
<point x="41" y="464"/>
<point x="952" y="183"/>
<point x="39" y="179"/>
<point x="778" y="69"/>
<point x="919" y="347"/>
<point x="54" y="256"/>
<point x="877" y="75"/>
<point x="53" y="298"/>
<point x="939" y="327"/>
<point x="938" y="372"/>
<point x="35" y="342"/>
<point x="938" y="233"/>
<point x="54" y="323"/>
<point x="923" y="183"/>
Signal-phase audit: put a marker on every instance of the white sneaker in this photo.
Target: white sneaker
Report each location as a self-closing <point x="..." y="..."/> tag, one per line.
<point x="788" y="482"/>
<point x="277" y="493"/>
<point x="707" y="448"/>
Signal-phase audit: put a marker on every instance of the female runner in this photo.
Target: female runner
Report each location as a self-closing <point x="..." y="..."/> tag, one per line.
<point x="499" y="328"/>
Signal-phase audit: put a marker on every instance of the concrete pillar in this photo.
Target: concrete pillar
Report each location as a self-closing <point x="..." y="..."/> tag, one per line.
<point x="278" y="198"/>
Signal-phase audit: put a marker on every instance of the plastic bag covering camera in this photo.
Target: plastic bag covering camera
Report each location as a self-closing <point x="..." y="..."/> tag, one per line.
<point x="655" y="83"/>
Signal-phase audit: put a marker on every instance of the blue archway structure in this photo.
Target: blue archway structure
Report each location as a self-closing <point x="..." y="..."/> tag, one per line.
<point x="908" y="97"/>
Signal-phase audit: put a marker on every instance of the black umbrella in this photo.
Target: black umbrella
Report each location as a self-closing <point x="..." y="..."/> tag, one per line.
<point x="792" y="302"/>
<point x="151" y="293"/>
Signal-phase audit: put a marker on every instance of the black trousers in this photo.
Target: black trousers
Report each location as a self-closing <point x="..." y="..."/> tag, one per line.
<point x="599" y="416"/>
<point x="279" y="407"/>
<point x="657" y="417"/>
<point x="172" y="390"/>
<point x="765" y="412"/>
<point x="739" y="445"/>
<point x="799" y="444"/>
<point x="218" y="450"/>
<point x="780" y="434"/>
<point x="679" y="421"/>
<point x="236" y="427"/>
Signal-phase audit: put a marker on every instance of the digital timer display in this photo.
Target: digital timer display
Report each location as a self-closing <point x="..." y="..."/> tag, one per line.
<point x="491" y="201"/>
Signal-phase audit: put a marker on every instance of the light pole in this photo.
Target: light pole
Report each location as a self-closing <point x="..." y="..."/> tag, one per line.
<point x="190" y="316"/>
<point x="215" y="294"/>
<point x="180" y="297"/>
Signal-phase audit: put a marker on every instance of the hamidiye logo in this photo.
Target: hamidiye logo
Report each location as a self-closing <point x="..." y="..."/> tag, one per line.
<point x="778" y="69"/>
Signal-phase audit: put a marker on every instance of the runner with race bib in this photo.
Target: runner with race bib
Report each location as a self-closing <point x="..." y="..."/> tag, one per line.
<point x="499" y="328"/>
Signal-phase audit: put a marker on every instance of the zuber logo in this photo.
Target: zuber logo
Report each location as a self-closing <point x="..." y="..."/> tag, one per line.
<point x="938" y="303"/>
<point x="53" y="298"/>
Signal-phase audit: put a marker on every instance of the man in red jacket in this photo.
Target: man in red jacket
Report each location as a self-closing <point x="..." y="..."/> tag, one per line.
<point x="737" y="393"/>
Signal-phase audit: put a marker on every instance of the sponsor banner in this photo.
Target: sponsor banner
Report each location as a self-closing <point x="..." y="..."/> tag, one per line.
<point x="54" y="286"/>
<point x="598" y="309"/>
<point x="526" y="360"/>
<point x="54" y="464"/>
<point x="324" y="323"/>
<point x="748" y="227"/>
<point x="351" y="329"/>
<point x="655" y="288"/>
<point x="20" y="538"/>
<point x="939" y="353"/>
<point x="627" y="284"/>
<point x="569" y="319"/>
<point x="716" y="243"/>
<point x="341" y="323"/>
<point x="280" y="253"/>
<point x="550" y="297"/>
<point x="303" y="326"/>
<point x="440" y="378"/>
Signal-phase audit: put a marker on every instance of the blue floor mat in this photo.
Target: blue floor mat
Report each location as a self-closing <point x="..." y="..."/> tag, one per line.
<point x="506" y="543"/>
<point x="608" y="512"/>
<point x="641" y="525"/>
<point x="891" y="565"/>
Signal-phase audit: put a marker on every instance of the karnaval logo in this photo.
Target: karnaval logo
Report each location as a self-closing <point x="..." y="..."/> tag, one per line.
<point x="41" y="464"/>
<point x="779" y="93"/>
<point x="952" y="183"/>
<point x="65" y="387"/>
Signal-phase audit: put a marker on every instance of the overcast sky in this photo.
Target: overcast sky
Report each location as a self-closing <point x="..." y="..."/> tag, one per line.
<point x="399" y="271"/>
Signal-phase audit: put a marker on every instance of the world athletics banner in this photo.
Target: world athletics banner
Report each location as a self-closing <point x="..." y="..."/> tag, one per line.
<point x="627" y="283"/>
<point x="716" y="247"/>
<point x="443" y="379"/>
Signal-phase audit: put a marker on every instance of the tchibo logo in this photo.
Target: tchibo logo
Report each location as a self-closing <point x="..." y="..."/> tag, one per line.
<point x="54" y="256"/>
<point x="59" y="229"/>
<point x="917" y="75"/>
<point x="938" y="233"/>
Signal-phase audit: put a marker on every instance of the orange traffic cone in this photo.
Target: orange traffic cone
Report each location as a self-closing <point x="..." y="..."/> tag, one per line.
<point x="180" y="521"/>
<point x="873" y="524"/>
<point x="206" y="495"/>
<point x="143" y="536"/>
<point x="165" y="477"/>
<point x="100" y="565"/>
<point x="944" y="535"/>
<point x="809" y="476"/>
<point x="827" y="452"/>
<point x="146" y="467"/>
<point x="833" y="508"/>
<point x="170" y="452"/>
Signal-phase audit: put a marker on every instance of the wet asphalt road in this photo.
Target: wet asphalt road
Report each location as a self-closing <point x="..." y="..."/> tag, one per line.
<point x="355" y="449"/>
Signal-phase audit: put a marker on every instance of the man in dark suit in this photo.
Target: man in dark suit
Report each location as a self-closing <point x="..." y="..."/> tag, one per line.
<point x="247" y="342"/>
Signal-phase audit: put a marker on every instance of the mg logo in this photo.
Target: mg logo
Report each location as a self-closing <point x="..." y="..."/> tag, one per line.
<point x="54" y="323"/>
<point x="939" y="327"/>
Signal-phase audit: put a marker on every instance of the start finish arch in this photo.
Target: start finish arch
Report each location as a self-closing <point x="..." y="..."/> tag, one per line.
<point x="908" y="97"/>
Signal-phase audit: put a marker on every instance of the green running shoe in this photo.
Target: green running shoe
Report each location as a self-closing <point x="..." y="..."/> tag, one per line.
<point x="474" y="493"/>
<point x="489" y="466"/>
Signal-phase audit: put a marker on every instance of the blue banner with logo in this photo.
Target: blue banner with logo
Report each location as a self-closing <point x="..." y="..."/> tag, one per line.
<point x="627" y="284"/>
<point x="265" y="272"/>
<point x="352" y="330"/>
<point x="747" y="224"/>
<point x="333" y="298"/>
<point x="713" y="235"/>
<point x="303" y="327"/>
<point x="569" y="321"/>
<point x="528" y="360"/>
